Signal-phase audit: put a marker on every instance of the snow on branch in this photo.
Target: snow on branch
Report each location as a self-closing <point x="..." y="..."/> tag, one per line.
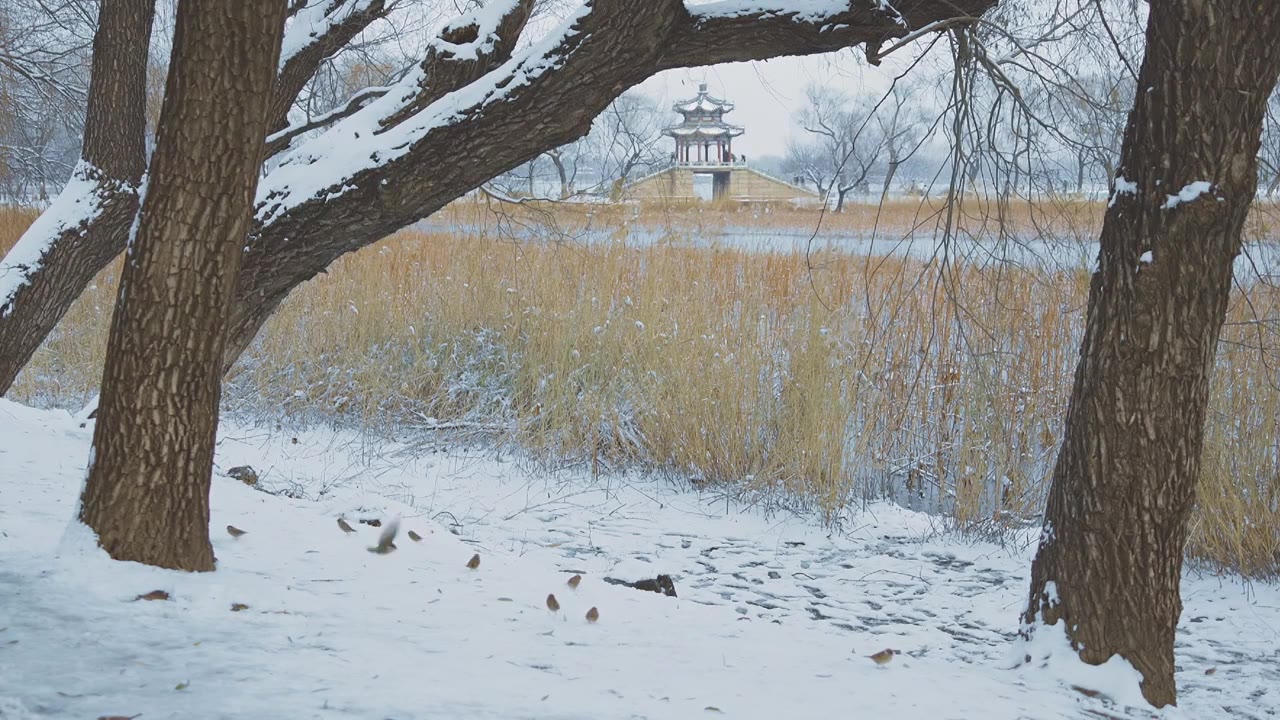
<point x="77" y="206"/>
<point x="316" y="21"/>
<point x="319" y="30"/>
<point x="738" y="30"/>
<point x="360" y="142"/>
<point x="477" y="33"/>
<point x="808" y="11"/>
<point x="600" y="47"/>
<point x="278" y="141"/>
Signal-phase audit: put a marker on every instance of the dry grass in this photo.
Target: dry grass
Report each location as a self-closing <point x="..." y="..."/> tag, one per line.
<point x="1058" y="218"/>
<point x="816" y="382"/>
<point x="896" y="217"/>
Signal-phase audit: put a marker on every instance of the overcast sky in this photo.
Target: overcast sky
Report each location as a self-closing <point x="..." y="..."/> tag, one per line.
<point x="767" y="94"/>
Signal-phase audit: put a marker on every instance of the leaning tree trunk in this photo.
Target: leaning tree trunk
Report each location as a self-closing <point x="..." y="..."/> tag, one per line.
<point x="88" y="224"/>
<point x="147" y="494"/>
<point x="1110" y="557"/>
<point x="890" y="171"/>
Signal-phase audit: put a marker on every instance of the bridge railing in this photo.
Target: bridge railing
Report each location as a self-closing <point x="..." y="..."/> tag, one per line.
<point x="708" y="163"/>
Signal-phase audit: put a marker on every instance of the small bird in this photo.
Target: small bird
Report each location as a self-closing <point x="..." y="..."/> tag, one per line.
<point x="474" y="562"/>
<point x="884" y="657"/>
<point x="573" y="581"/>
<point x="234" y="531"/>
<point x="386" y="541"/>
<point x="415" y="536"/>
<point x="661" y="584"/>
<point x="552" y="604"/>
<point x="346" y="528"/>
<point x="593" y="615"/>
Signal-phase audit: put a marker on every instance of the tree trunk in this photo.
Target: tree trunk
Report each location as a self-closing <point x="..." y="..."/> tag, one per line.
<point x="562" y="174"/>
<point x="147" y="494"/>
<point x="1110" y="556"/>
<point x="890" y="170"/>
<point x="88" y="224"/>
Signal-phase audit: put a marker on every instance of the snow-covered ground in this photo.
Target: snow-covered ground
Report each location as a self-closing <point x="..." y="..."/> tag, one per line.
<point x="775" y="616"/>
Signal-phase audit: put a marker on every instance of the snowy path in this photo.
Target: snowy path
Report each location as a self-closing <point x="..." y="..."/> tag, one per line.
<point x="774" y="617"/>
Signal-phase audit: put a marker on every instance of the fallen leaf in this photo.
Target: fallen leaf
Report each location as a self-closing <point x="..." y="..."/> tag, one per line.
<point x="154" y="595"/>
<point x="1087" y="692"/>
<point x="182" y="685"/>
<point x="237" y="607"/>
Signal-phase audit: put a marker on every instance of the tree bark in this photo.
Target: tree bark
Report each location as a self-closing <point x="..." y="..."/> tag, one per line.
<point x="331" y="24"/>
<point x="1110" y="557"/>
<point x="147" y="494"/>
<point x="89" y="224"/>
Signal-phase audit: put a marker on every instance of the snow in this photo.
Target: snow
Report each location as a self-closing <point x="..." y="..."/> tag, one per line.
<point x="775" y="615"/>
<point x="706" y="130"/>
<point x="78" y="204"/>
<point x="313" y="22"/>
<point x="1050" y="652"/>
<point x="806" y="11"/>
<point x="487" y="18"/>
<point x="1123" y="186"/>
<point x="1188" y="193"/>
<point x="356" y="143"/>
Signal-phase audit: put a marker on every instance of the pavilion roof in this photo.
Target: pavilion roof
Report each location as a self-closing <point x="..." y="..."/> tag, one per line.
<point x="704" y="102"/>
<point x="704" y="129"/>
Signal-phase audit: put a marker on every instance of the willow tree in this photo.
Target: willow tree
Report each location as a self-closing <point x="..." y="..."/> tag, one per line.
<point x="87" y="225"/>
<point x="1109" y="561"/>
<point x="147" y="494"/>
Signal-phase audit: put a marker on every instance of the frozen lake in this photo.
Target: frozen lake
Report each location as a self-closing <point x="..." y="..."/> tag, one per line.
<point x="1258" y="260"/>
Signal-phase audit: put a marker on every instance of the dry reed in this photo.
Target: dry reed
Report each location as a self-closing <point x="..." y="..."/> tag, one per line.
<point x="817" y="381"/>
